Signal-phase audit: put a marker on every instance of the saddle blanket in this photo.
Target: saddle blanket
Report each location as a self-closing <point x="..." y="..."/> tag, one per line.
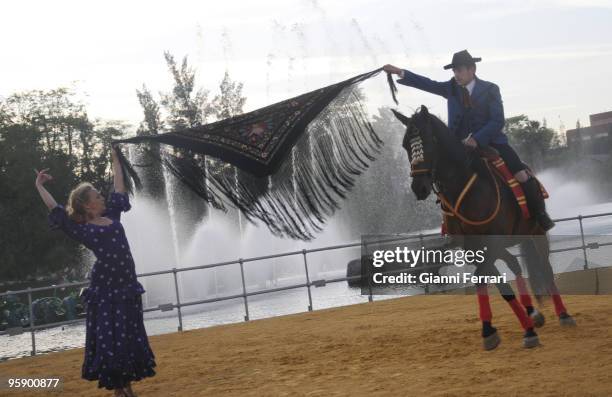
<point x="519" y="194"/>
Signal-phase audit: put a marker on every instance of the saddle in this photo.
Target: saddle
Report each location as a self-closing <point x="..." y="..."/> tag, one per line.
<point x="488" y="153"/>
<point x="491" y="155"/>
<point x="486" y="161"/>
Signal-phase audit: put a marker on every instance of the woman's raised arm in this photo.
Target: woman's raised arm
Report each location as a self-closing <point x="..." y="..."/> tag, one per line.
<point x="41" y="178"/>
<point x="117" y="172"/>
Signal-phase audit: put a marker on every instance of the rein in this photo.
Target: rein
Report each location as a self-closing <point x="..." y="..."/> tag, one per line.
<point x="454" y="209"/>
<point x="418" y="156"/>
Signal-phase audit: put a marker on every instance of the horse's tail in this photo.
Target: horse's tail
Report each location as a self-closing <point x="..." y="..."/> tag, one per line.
<point x="535" y="251"/>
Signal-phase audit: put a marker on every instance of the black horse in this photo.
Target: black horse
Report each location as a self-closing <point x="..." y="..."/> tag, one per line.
<point x="480" y="211"/>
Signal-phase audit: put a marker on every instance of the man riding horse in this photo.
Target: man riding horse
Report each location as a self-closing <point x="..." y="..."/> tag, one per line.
<point x="476" y="117"/>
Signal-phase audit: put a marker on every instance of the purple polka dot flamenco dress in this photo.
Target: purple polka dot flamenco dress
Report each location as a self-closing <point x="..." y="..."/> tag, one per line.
<point x="117" y="349"/>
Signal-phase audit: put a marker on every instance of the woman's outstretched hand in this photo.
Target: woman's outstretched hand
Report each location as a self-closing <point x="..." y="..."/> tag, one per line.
<point x="42" y="177"/>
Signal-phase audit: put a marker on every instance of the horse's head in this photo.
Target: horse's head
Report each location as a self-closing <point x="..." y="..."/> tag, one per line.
<point x="419" y="143"/>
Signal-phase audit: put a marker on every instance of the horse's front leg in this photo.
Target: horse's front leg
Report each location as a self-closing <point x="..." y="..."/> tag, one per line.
<point x="490" y="336"/>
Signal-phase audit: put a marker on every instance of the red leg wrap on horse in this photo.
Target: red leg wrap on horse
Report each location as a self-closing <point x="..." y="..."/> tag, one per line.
<point x="525" y="320"/>
<point x="483" y="303"/>
<point x="523" y="292"/>
<point x="559" y="306"/>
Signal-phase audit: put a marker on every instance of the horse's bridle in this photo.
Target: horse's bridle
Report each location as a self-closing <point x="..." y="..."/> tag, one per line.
<point x="417" y="154"/>
<point x="419" y="171"/>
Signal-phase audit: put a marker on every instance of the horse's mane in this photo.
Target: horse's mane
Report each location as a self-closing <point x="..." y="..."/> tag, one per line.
<point x="447" y="141"/>
<point x="437" y="122"/>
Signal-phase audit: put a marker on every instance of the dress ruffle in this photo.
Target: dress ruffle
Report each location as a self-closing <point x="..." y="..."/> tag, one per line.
<point x="117" y="350"/>
<point x="113" y="379"/>
<point x="118" y="378"/>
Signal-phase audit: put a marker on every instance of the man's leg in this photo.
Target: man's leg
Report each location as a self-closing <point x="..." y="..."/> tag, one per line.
<point x="533" y="194"/>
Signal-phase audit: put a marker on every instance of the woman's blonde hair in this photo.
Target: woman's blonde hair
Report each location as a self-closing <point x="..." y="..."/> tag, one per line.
<point x="79" y="196"/>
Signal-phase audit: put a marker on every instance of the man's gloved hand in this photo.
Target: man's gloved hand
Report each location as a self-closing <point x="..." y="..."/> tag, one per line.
<point x="392" y="69"/>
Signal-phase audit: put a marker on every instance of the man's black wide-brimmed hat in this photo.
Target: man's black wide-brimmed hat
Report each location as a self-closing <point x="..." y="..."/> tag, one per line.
<point x="462" y="58"/>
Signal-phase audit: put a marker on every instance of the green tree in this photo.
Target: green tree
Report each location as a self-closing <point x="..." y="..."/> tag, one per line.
<point x="64" y="127"/>
<point x="230" y="101"/>
<point x="531" y="139"/>
<point x="45" y="129"/>
<point x="152" y="123"/>
<point x="186" y="105"/>
<point x="151" y="173"/>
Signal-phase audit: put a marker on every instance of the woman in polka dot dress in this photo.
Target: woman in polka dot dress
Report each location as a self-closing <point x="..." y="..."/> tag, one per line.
<point x="117" y="349"/>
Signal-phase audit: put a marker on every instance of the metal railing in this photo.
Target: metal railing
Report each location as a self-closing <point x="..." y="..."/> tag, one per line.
<point x="245" y="294"/>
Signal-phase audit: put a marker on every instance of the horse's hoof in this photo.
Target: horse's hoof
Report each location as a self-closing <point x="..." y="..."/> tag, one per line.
<point x="538" y="318"/>
<point x="565" y="320"/>
<point x="530" y="339"/>
<point x="491" y="342"/>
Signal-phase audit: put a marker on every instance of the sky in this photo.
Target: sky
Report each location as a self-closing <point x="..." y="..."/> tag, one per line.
<point x="551" y="58"/>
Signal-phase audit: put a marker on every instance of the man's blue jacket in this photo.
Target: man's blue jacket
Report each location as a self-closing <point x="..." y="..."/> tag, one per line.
<point x="484" y="120"/>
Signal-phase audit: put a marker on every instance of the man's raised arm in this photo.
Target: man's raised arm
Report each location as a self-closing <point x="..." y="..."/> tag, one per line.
<point x="411" y="79"/>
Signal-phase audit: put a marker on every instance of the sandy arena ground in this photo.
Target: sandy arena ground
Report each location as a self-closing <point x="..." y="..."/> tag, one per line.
<point x="414" y="346"/>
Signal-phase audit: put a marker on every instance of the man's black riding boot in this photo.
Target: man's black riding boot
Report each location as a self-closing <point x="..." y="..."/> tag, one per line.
<point x="535" y="203"/>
